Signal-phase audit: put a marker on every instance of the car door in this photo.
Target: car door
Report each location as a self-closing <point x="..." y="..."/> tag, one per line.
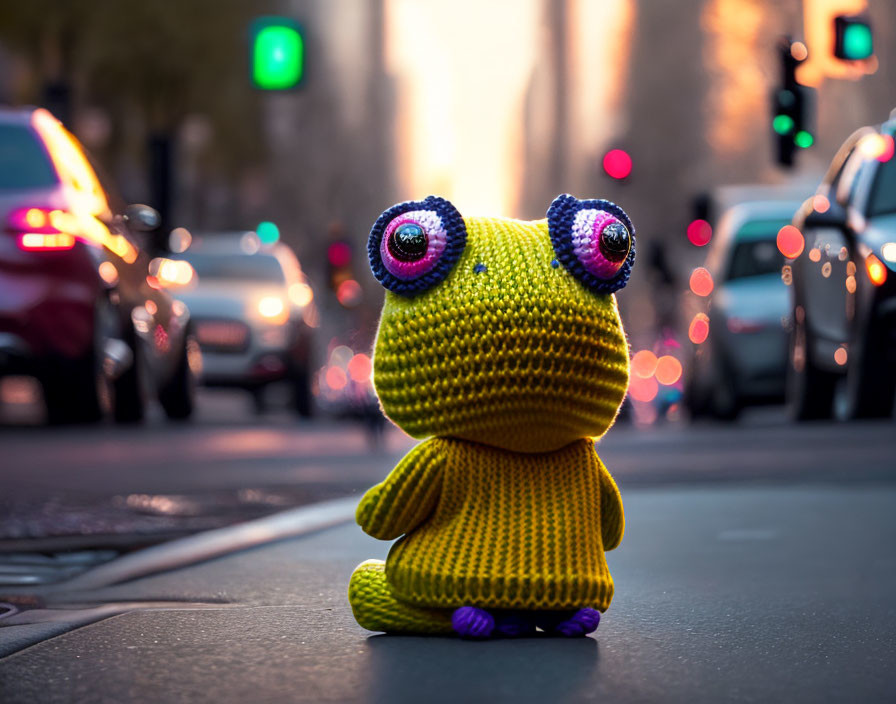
<point x="826" y="267"/>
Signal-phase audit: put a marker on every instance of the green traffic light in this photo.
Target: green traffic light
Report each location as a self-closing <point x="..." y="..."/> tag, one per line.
<point x="857" y="42"/>
<point x="782" y="124"/>
<point x="278" y="54"/>
<point x="267" y="232"/>
<point x="803" y="139"/>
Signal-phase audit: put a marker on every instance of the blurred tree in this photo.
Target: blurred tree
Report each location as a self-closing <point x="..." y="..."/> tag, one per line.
<point x="152" y="62"/>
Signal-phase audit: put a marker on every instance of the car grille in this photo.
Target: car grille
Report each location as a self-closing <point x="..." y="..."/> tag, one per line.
<point x="222" y="335"/>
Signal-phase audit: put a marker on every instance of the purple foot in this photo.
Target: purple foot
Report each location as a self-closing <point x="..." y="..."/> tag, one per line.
<point x="514" y="625"/>
<point x="472" y="622"/>
<point x="582" y="622"/>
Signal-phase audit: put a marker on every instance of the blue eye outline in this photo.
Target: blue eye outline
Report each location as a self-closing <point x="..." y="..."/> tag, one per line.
<point x="561" y="216"/>
<point x="452" y="223"/>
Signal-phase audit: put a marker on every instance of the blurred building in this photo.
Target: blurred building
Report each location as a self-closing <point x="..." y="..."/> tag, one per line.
<point x="684" y="88"/>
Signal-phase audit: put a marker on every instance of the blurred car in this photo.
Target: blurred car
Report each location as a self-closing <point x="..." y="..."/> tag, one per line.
<point x="76" y="309"/>
<point x="253" y="311"/>
<point x="843" y="344"/>
<point x="742" y="358"/>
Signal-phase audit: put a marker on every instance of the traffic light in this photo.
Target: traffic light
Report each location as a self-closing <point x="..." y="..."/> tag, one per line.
<point x="276" y="53"/>
<point x="791" y="106"/>
<point x="853" y="40"/>
<point x="617" y="164"/>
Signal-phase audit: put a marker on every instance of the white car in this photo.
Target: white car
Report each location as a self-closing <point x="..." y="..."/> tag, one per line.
<point x="254" y="314"/>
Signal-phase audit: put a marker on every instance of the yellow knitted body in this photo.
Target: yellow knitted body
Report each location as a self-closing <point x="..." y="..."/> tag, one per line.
<point x="511" y="368"/>
<point x="497" y="529"/>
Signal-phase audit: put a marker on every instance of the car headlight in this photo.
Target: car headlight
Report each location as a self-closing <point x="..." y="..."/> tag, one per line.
<point x="273" y="309"/>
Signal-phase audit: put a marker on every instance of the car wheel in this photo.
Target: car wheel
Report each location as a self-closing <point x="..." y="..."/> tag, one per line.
<point x="724" y="401"/>
<point x="302" y="398"/>
<point x="870" y="383"/>
<point x="129" y="390"/>
<point x="75" y="391"/>
<point x="178" y="396"/>
<point x="810" y="390"/>
<point x="259" y="399"/>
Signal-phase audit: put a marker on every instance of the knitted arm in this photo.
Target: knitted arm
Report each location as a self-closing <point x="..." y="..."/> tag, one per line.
<point x="405" y="498"/>
<point x="612" y="519"/>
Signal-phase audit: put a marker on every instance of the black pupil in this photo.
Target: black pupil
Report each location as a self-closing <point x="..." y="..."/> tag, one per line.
<point x="408" y="242"/>
<point x="615" y="242"/>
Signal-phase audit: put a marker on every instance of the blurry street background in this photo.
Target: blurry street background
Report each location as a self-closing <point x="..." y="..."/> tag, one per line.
<point x="711" y="122"/>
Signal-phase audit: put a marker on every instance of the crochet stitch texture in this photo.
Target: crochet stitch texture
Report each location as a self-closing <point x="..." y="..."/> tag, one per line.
<point x="510" y="365"/>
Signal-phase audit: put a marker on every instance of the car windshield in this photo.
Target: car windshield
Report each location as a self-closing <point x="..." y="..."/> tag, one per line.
<point x="259" y="268"/>
<point x="883" y="194"/>
<point x="23" y="161"/>
<point x="755" y="252"/>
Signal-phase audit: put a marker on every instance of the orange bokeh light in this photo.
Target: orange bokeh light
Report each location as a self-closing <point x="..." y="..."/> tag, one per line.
<point x="821" y="204"/>
<point x="877" y="272"/>
<point x="790" y="241"/>
<point x="642" y="389"/>
<point x="644" y="364"/>
<point x="840" y="356"/>
<point x="668" y="370"/>
<point x="698" y="330"/>
<point x="701" y="282"/>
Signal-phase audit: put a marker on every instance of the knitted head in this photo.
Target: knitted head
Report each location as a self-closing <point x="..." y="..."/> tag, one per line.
<point x="501" y="331"/>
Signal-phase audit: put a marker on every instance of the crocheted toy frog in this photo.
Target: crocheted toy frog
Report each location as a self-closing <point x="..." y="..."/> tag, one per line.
<point x="501" y="343"/>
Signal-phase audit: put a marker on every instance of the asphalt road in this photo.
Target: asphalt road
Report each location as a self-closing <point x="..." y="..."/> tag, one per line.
<point x="758" y="565"/>
<point x="228" y="465"/>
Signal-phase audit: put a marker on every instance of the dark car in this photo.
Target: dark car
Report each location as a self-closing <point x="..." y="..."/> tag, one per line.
<point x="843" y="342"/>
<point x="76" y="308"/>
<point x="742" y="358"/>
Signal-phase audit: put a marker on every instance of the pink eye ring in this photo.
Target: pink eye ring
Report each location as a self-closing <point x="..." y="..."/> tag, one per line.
<point x="594" y="240"/>
<point x="414" y="245"/>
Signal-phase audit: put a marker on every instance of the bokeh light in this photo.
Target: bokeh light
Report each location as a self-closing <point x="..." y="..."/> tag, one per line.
<point x="268" y="232"/>
<point x="820" y="203"/>
<point x="840" y="356"/>
<point x="108" y="273"/>
<point x="699" y="232"/>
<point x="877" y="146"/>
<point x="668" y="370"/>
<point x="617" y="163"/>
<point x="641" y="389"/>
<point x="698" y="330"/>
<point x="349" y="293"/>
<point x="799" y="51"/>
<point x="300" y="294"/>
<point x="336" y="378"/>
<point x="701" y="282"/>
<point x="179" y="240"/>
<point x="339" y="254"/>
<point x="644" y="364"/>
<point x="877" y="272"/>
<point x="359" y="368"/>
<point x="790" y="241"/>
<point x="341" y="355"/>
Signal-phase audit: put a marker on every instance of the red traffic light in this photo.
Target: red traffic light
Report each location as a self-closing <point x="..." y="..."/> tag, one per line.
<point x="617" y="164"/>
<point x="339" y="254"/>
<point x="699" y="232"/>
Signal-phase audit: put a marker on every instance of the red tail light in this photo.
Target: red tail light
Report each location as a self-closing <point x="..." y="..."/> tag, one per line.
<point x="41" y="229"/>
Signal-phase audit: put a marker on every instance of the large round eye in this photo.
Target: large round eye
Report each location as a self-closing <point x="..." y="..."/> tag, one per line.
<point x="594" y="240"/>
<point x="414" y="245"/>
